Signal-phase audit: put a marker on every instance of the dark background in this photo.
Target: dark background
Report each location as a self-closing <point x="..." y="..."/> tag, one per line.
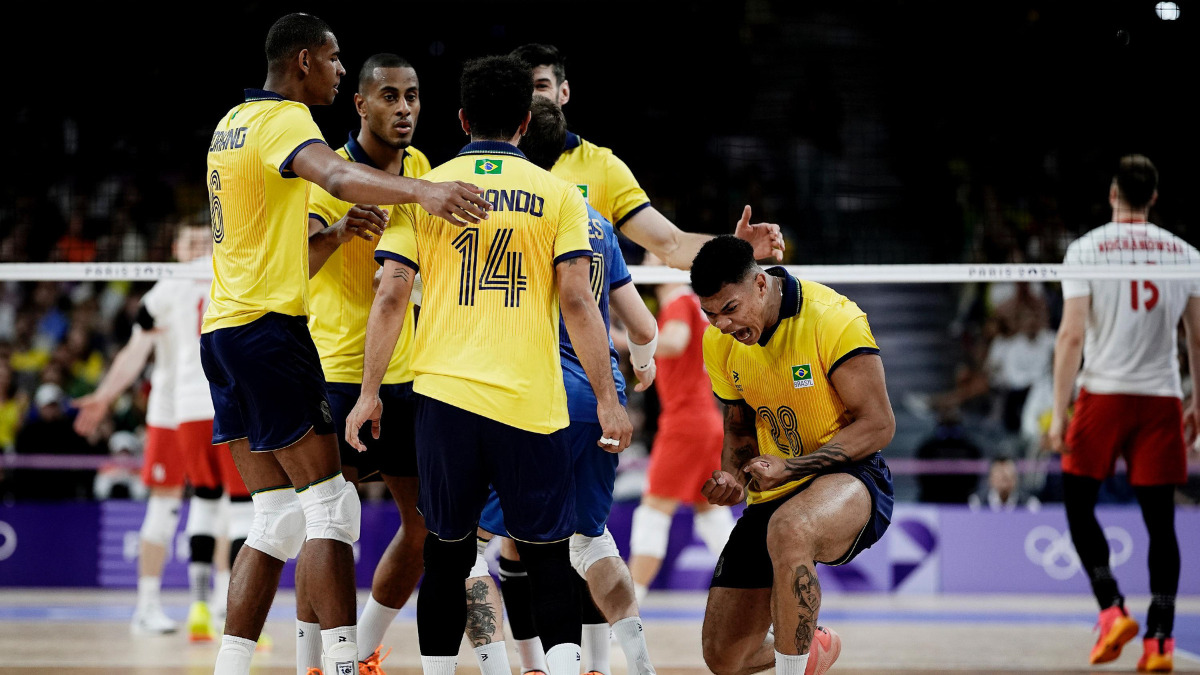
<point x="916" y="119"/>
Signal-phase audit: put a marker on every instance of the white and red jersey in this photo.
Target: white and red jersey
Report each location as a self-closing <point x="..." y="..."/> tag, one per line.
<point x="1130" y="345"/>
<point x="177" y="307"/>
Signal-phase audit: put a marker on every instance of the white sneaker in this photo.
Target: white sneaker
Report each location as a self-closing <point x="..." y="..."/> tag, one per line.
<point x="152" y="622"/>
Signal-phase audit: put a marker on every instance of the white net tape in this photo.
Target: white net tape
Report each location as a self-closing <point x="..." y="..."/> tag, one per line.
<point x="833" y="274"/>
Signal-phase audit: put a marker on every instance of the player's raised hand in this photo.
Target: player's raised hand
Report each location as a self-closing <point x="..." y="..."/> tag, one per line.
<point x="768" y="471"/>
<point x="766" y="238"/>
<point x="617" y="429"/>
<point x="646" y="376"/>
<point x="367" y="408"/>
<point x="92" y="411"/>
<point x="362" y="220"/>
<point x="458" y="202"/>
<point x="723" y="489"/>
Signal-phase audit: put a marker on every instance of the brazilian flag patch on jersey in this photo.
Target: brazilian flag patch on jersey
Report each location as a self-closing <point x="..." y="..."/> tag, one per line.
<point x="488" y="166"/>
<point x="582" y="190"/>
<point x="802" y="376"/>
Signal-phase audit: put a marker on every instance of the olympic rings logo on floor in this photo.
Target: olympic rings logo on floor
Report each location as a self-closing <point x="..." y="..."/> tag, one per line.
<point x="1055" y="552"/>
<point x="8" y="540"/>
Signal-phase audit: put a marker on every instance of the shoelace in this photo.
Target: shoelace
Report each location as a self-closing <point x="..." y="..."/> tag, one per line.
<point x="372" y="665"/>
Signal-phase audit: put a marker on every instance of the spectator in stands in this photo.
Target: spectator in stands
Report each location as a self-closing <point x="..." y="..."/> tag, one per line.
<point x="1003" y="491"/>
<point x="120" y="478"/>
<point x="948" y="441"/>
<point x="49" y="432"/>
<point x="1019" y="358"/>
<point x="13" y="404"/>
<point x="74" y="245"/>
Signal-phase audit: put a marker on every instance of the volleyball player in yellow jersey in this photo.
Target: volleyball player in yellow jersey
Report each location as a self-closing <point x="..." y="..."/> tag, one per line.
<point x="806" y="414"/>
<point x="491" y="404"/>
<point x="388" y="103"/>
<point x="611" y="188"/>
<point x="265" y="376"/>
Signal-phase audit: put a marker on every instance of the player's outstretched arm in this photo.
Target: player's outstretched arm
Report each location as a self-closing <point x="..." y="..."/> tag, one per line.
<point x="455" y="201"/>
<point x="589" y="336"/>
<point x="1068" y="355"/>
<point x="651" y="230"/>
<point x="125" y="368"/>
<point x="1191" y="326"/>
<point x="362" y="220"/>
<point x="383" y="329"/>
<point x="728" y="485"/>
<point x="642" y="332"/>
<point x="859" y="382"/>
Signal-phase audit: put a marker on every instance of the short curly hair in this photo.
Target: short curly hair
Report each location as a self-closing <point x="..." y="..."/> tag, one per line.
<point x="495" y="91"/>
<point x="722" y="260"/>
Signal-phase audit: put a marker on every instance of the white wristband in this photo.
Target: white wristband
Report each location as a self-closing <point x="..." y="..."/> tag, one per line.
<point x="641" y="356"/>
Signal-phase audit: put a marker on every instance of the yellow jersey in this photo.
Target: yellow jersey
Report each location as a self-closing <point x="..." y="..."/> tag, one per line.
<point x="259" y="211"/>
<point x="489" y="309"/>
<point x="603" y="179"/>
<point x="340" y="294"/>
<point x="785" y="378"/>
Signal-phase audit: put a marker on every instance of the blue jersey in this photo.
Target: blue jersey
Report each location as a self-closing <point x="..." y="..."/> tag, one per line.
<point x="608" y="273"/>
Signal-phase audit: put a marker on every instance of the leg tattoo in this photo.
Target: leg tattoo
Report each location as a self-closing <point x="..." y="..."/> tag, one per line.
<point x="807" y="591"/>
<point x="481" y="616"/>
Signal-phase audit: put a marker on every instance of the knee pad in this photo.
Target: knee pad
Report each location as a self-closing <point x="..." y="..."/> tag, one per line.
<point x="649" y="532"/>
<point x="239" y="516"/>
<point x="585" y="551"/>
<point x="713" y="527"/>
<point x="480" y="569"/>
<point x="332" y="510"/>
<point x="278" y="525"/>
<point x="203" y="514"/>
<point x="162" y="517"/>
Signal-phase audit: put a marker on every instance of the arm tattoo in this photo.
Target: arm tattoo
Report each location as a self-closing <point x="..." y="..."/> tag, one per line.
<point x="821" y="460"/>
<point x="807" y="591"/>
<point x="400" y="273"/>
<point x="481" y="616"/>
<point x="572" y="261"/>
<point x="739" y="420"/>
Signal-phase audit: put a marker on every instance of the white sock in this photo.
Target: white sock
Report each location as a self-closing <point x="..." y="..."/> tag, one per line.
<point x="563" y="659"/>
<point x="595" y="648"/>
<point x="220" y="592"/>
<point x="632" y="639"/>
<point x="788" y="664"/>
<point x="438" y="665"/>
<point x="200" y="580"/>
<point x="533" y="657"/>
<point x="148" y="592"/>
<point x="372" y="625"/>
<point x="308" y="646"/>
<point x="337" y="637"/>
<point x="640" y="592"/>
<point x="234" y="656"/>
<point x="493" y="659"/>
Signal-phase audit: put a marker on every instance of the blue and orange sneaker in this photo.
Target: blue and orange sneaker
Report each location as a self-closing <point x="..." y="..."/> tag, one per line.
<point x="1158" y="655"/>
<point x="1116" y="628"/>
<point x="825" y="649"/>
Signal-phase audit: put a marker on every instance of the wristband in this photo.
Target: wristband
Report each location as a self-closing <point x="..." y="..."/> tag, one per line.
<point x="641" y="356"/>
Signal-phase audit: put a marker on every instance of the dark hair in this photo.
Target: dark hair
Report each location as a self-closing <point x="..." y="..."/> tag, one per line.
<point x="535" y="55"/>
<point x="543" y="141"/>
<point x="385" y="60"/>
<point x="1137" y="179"/>
<point x="496" y="91"/>
<point x="292" y="33"/>
<point x="722" y="260"/>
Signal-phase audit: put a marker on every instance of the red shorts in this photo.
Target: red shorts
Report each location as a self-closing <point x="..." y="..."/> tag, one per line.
<point x="1146" y="430"/>
<point x="162" y="465"/>
<point x="208" y="465"/>
<point x="683" y="458"/>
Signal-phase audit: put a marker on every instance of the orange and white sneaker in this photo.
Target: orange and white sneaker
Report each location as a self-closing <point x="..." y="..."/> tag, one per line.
<point x="314" y="671"/>
<point x="825" y="649"/>
<point x="371" y="665"/>
<point x="1158" y="655"/>
<point x="1116" y="628"/>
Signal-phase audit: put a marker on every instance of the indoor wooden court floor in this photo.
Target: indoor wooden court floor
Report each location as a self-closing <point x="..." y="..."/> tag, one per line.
<point x="86" y="633"/>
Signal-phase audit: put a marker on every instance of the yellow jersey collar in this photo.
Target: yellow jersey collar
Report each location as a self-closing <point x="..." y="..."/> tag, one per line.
<point x="789" y="306"/>
<point x="358" y="154"/>
<point x="262" y="95"/>
<point x="491" y="148"/>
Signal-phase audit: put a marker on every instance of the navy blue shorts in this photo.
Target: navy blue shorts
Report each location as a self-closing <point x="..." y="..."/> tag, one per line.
<point x="460" y="454"/>
<point x="745" y="561"/>
<point x="595" y="474"/>
<point x="395" y="452"/>
<point x="266" y="382"/>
